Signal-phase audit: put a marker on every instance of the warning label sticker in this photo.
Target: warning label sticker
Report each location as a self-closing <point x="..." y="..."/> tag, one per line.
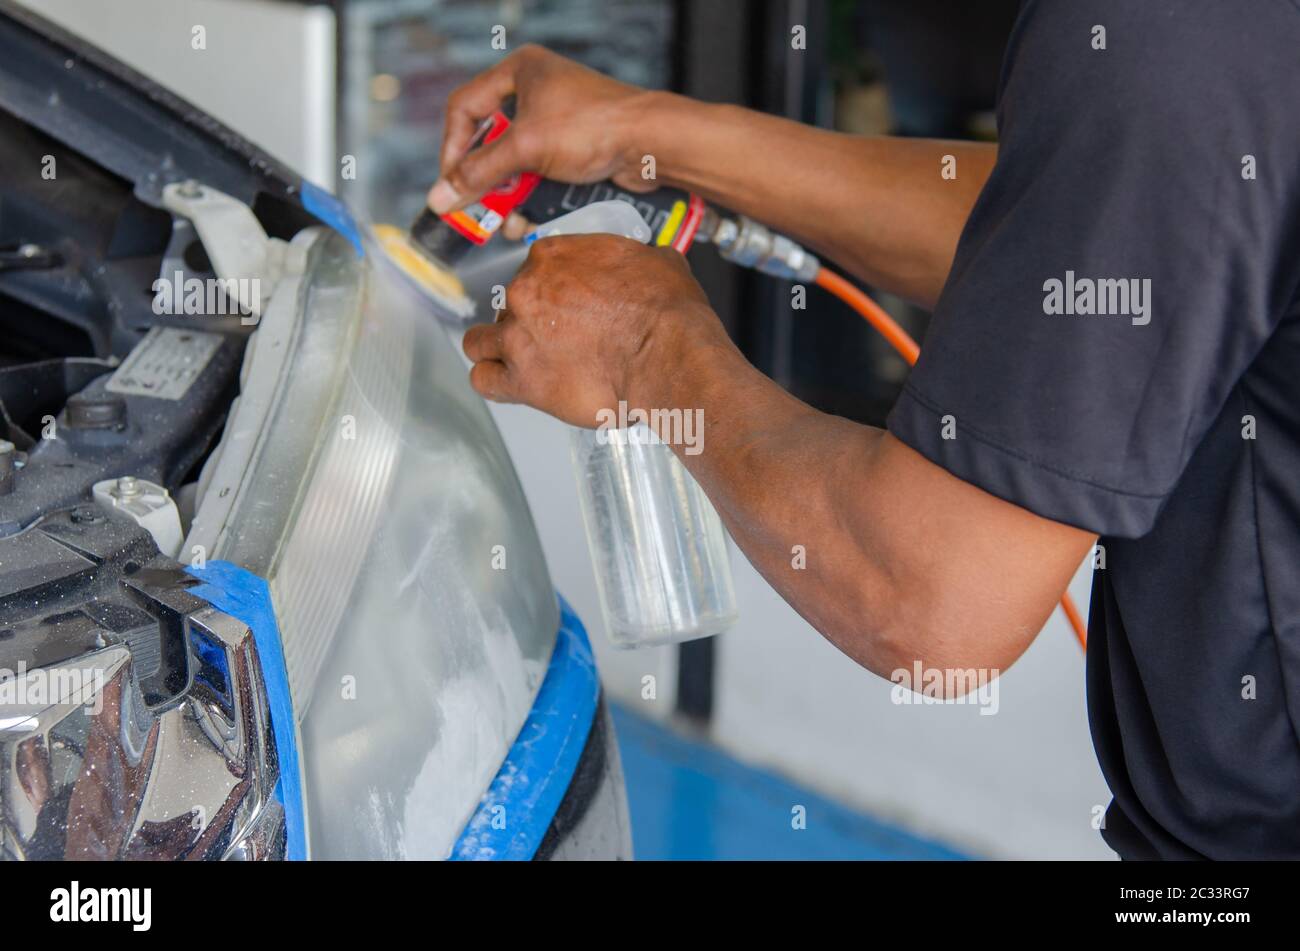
<point x="165" y="363"/>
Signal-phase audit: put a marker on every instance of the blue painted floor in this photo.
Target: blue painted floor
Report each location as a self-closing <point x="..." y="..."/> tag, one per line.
<point x="692" y="801"/>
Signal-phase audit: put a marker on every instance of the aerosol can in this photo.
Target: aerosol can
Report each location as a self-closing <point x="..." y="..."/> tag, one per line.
<point x="657" y="544"/>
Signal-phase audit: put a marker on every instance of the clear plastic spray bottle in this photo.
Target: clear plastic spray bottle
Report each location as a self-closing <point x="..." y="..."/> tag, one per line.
<point x="659" y="549"/>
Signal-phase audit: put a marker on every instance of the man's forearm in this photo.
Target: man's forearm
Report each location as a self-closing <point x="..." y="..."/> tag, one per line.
<point x="769" y="463"/>
<point x="879" y="207"/>
<point x="889" y="556"/>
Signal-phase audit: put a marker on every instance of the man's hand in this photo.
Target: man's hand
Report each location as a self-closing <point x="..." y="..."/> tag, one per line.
<point x="571" y="124"/>
<point x="877" y="206"/>
<point x="591" y="320"/>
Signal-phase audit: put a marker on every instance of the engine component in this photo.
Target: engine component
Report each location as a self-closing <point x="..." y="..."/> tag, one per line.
<point x="26" y="256"/>
<point x="96" y="412"/>
<point x="153" y="417"/>
<point x="31" y="394"/>
<point x="248" y="262"/>
<point x="8" y="465"/>
<point x="147" y="504"/>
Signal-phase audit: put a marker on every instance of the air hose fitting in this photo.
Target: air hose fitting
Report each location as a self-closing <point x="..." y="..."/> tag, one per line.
<point x="745" y="242"/>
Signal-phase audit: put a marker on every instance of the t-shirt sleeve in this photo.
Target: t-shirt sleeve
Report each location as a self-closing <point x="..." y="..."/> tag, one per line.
<point x="1133" y="250"/>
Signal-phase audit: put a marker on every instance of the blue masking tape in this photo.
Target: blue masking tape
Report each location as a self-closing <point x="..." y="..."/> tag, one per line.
<point x="333" y="212"/>
<point x="537" y="771"/>
<point x="247" y="597"/>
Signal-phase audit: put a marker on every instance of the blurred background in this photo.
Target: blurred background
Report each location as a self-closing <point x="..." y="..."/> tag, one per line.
<point x="719" y="737"/>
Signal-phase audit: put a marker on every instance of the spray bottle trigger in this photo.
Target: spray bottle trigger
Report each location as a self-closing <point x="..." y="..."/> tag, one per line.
<point x="601" y="217"/>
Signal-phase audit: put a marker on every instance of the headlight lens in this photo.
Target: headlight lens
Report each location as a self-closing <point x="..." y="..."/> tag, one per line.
<point x="414" y="605"/>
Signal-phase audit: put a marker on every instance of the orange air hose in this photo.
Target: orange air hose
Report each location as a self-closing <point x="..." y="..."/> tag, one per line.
<point x="900" y="340"/>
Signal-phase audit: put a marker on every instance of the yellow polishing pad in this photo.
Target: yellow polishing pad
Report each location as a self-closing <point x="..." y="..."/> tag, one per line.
<point x="443" y="286"/>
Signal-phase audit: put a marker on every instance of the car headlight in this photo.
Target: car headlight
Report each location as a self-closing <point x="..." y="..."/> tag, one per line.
<point x="365" y="480"/>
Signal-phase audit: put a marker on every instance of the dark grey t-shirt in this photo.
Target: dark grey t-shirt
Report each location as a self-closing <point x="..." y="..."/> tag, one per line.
<point x="1119" y="346"/>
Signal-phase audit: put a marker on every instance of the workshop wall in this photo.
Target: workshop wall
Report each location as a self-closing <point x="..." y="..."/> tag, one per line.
<point x="277" y="55"/>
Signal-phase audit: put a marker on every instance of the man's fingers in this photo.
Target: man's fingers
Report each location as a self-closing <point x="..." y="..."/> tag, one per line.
<point x="490" y="376"/>
<point x="470" y="104"/>
<point x="467" y="107"/>
<point x="481" y="170"/>
<point x="491" y="380"/>
<point x="484" y="342"/>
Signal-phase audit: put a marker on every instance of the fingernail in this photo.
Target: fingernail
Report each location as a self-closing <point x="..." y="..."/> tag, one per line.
<point x="442" y="197"/>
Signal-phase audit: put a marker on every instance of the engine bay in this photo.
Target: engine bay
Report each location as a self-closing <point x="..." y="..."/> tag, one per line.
<point x="111" y="397"/>
<point x="81" y="343"/>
